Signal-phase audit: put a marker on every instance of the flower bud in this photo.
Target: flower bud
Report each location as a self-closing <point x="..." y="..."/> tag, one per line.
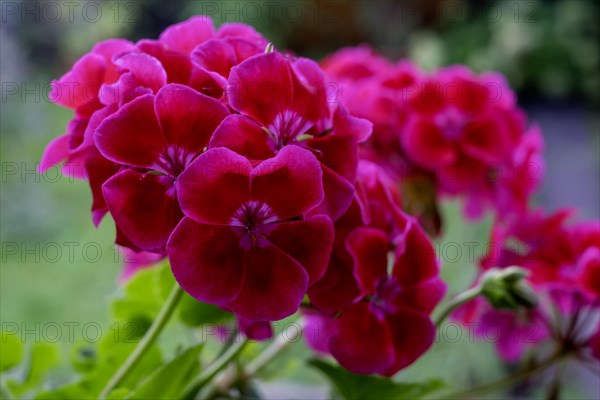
<point x="506" y="288"/>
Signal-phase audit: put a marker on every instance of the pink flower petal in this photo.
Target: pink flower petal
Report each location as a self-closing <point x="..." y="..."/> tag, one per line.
<point x="56" y="152"/>
<point x="215" y="55"/>
<point x="186" y="35"/>
<point x="81" y="84"/>
<point x="109" y="49"/>
<point x="147" y="70"/>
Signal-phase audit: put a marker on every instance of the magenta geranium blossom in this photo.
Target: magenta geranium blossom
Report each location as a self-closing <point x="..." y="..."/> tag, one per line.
<point x="246" y="243"/>
<point x="369" y="319"/>
<point x="154" y="138"/>
<point x="284" y="103"/>
<point x="393" y="310"/>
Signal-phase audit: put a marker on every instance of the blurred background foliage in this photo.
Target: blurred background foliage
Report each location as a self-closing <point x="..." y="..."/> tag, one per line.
<point x="57" y="268"/>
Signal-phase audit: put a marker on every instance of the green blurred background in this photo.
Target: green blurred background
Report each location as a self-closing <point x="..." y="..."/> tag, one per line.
<point x="57" y="268"/>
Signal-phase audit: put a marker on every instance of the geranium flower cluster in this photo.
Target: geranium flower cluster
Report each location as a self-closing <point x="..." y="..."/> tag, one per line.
<point x="266" y="193"/>
<point x="563" y="261"/>
<point x="229" y="159"/>
<point x="371" y="309"/>
<point x="449" y="132"/>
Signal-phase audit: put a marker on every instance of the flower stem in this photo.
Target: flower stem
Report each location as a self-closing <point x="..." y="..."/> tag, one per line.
<point x="142" y="347"/>
<point x="254" y="367"/>
<point x="505" y="381"/>
<point x="282" y="341"/>
<point x="458" y="300"/>
<point x="6" y="394"/>
<point x="217" y="366"/>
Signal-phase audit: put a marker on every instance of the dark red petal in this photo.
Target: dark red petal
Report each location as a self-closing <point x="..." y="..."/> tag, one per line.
<point x="413" y="333"/>
<point x="484" y="139"/>
<point x="338" y="152"/>
<point x="144" y="206"/>
<point x="588" y="271"/>
<point x="274" y="286"/>
<point x="186" y="35"/>
<point x="245" y="137"/>
<point x="309" y="242"/>
<point x="369" y="247"/>
<point x="290" y="183"/>
<point x="338" y="287"/>
<point x="214" y="186"/>
<point x="98" y="170"/>
<point x="206" y="261"/>
<point x="260" y="330"/>
<point x="426" y="145"/>
<point x="265" y="86"/>
<point x="339" y="193"/>
<point x="188" y="118"/>
<point x="415" y="257"/>
<point x="362" y="342"/>
<point x="423" y="297"/>
<point x="132" y="135"/>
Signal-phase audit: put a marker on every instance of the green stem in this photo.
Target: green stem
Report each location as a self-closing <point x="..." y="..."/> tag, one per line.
<point x="217" y="366"/>
<point x="6" y="394"/>
<point x="458" y="300"/>
<point x="280" y="344"/>
<point x="255" y="366"/>
<point x="504" y="381"/>
<point x="142" y="347"/>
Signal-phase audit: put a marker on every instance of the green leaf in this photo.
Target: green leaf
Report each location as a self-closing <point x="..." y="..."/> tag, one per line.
<point x="169" y="381"/>
<point x="44" y="357"/>
<point x="352" y="386"/>
<point x="118" y="394"/>
<point x="195" y="313"/>
<point x="143" y="296"/>
<point x="102" y="360"/>
<point x="11" y="351"/>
